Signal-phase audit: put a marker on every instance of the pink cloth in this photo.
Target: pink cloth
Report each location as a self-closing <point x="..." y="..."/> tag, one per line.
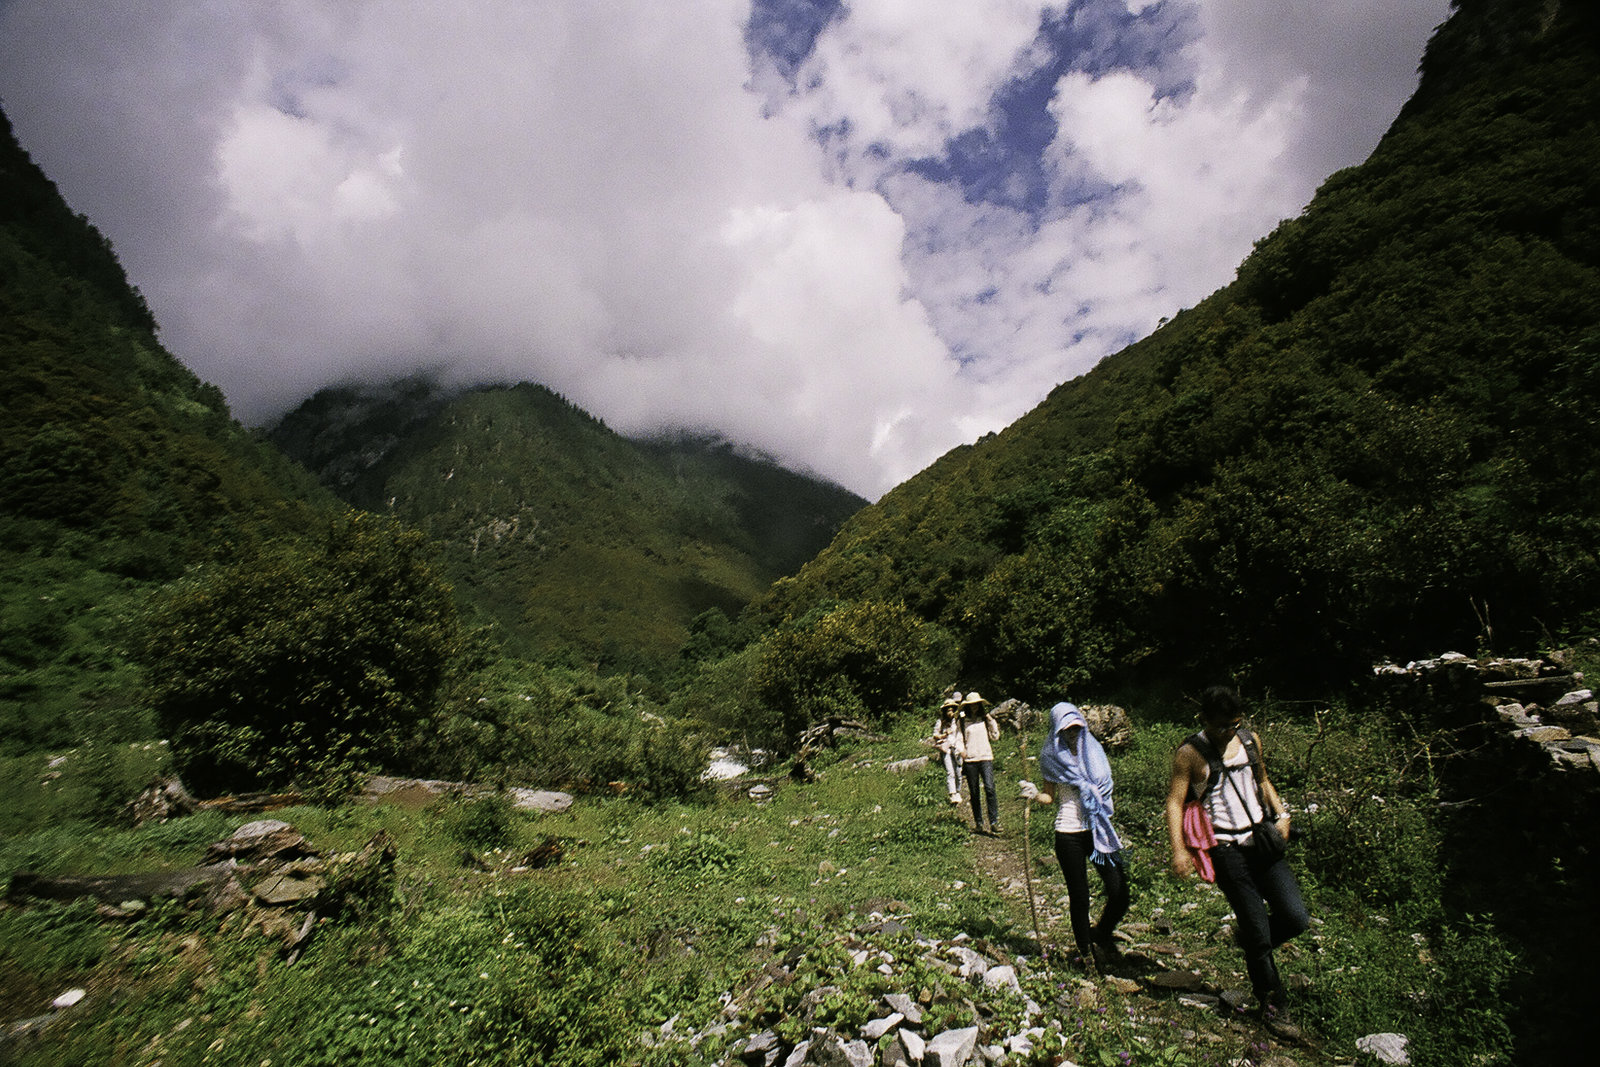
<point x="1199" y="836"/>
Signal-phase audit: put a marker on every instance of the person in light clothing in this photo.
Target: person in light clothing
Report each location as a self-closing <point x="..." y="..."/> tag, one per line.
<point x="979" y="731"/>
<point x="1078" y="781"/>
<point x="952" y="748"/>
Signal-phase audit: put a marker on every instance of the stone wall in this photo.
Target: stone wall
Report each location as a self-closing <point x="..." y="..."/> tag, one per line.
<point x="1540" y="715"/>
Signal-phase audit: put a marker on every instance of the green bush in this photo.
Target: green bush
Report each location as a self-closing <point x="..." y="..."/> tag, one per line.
<point x="481" y="822"/>
<point x="869" y="660"/>
<point x="302" y="661"/>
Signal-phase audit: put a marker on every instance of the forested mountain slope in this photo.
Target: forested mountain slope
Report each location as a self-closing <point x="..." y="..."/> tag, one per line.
<point x="118" y="467"/>
<point x="576" y="541"/>
<point x="1381" y="438"/>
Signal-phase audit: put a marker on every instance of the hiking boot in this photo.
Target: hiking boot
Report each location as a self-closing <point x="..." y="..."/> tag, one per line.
<point x="1102" y="958"/>
<point x="994" y="828"/>
<point x="955" y="798"/>
<point x="1105" y="952"/>
<point x="1277" y="1022"/>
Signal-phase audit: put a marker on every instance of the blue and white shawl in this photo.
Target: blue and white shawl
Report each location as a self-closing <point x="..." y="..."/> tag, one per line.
<point x="1085" y="767"/>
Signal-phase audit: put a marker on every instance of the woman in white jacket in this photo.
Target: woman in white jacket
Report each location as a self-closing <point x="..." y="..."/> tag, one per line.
<point x="947" y="739"/>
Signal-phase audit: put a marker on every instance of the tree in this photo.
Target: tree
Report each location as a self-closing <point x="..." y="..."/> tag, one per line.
<point x="303" y="662"/>
<point x="871" y="660"/>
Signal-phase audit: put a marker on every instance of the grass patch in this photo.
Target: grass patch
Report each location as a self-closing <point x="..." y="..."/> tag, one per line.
<point x="688" y="904"/>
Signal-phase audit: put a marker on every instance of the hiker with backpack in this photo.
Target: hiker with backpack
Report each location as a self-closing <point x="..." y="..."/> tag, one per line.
<point x="1226" y="822"/>
<point x="1078" y="780"/>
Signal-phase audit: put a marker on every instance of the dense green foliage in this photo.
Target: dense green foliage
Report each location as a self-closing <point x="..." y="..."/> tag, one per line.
<point x="301" y="662"/>
<point x="522" y="723"/>
<point x="1382" y="439"/>
<point x="864" y="661"/>
<point x="581" y="546"/>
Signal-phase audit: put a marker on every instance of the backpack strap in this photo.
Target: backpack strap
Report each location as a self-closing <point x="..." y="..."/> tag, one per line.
<point x="1213" y="758"/>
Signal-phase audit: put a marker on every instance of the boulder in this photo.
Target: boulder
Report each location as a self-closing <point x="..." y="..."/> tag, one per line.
<point x="1110" y="724"/>
<point x="163" y="800"/>
<point x="905" y="1006"/>
<point x="953" y="1048"/>
<point x="1002" y="977"/>
<point x="968" y="962"/>
<point x="1385" y="1048"/>
<point x="261" y="841"/>
<point x="1184" y="981"/>
<point x="547" y="801"/>
<point x="762" y="1050"/>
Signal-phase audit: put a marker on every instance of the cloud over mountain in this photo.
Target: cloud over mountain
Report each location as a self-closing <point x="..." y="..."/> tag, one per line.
<point x="852" y="236"/>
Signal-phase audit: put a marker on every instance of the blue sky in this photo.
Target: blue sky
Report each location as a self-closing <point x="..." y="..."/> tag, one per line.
<point x="852" y="235"/>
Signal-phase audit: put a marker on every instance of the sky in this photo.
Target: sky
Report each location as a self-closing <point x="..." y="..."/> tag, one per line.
<point x="851" y="235"/>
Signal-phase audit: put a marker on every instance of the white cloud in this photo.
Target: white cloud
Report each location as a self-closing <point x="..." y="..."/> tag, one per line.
<point x="909" y="74"/>
<point x="594" y="197"/>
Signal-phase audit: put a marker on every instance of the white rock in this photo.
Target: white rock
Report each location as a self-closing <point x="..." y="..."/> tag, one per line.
<point x="1002" y="977"/>
<point x="68" y="999"/>
<point x="723" y="767"/>
<point x="878" y="1027"/>
<point x="916" y="1048"/>
<point x="971" y="962"/>
<point x="1022" y="1044"/>
<point x="1385" y="1048"/>
<point x="953" y="1048"/>
<point x="545" y="800"/>
<point x="905" y="1006"/>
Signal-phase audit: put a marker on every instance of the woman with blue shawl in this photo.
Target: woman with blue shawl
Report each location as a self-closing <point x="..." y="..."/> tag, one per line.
<point x="1078" y="781"/>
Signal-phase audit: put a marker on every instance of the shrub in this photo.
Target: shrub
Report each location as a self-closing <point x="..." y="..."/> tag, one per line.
<point x="869" y="660"/>
<point x="481" y="822"/>
<point x="303" y="660"/>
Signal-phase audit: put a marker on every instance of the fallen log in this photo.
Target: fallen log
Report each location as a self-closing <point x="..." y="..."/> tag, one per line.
<point x="120" y="888"/>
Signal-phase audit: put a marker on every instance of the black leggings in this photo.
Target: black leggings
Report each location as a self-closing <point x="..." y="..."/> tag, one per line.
<point x="1073" y="852"/>
<point x="980" y="780"/>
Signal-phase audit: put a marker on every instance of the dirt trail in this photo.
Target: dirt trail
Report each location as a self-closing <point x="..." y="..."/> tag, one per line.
<point x="1000" y="861"/>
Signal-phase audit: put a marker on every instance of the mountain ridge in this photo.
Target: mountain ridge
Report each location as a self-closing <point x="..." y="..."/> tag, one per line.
<point x="562" y="532"/>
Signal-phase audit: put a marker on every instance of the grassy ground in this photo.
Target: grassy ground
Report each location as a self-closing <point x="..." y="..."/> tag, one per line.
<point x="662" y="915"/>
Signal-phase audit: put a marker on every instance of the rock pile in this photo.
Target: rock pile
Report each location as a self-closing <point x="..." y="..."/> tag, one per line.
<point x="901" y="1031"/>
<point x="266" y="872"/>
<point x="961" y="1002"/>
<point x="1540" y="703"/>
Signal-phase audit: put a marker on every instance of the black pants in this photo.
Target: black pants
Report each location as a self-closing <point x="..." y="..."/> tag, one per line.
<point x="1073" y="852"/>
<point x="1266" y="901"/>
<point x="980" y="776"/>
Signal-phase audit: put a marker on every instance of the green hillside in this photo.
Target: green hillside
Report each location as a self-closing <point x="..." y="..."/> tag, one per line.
<point x="1381" y="439"/>
<point x="118" y="469"/>
<point x="578" y="543"/>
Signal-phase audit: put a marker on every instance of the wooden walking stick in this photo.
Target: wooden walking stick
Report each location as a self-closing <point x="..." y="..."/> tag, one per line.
<point x="1027" y="854"/>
